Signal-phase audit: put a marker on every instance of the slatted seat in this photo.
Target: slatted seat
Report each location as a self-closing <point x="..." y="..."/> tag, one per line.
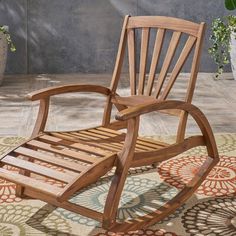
<point x="70" y="159"/>
<point x="74" y="152"/>
<point x="52" y="166"/>
<point x="107" y="140"/>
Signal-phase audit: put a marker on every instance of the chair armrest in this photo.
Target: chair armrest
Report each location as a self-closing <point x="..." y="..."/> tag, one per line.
<point x="194" y="111"/>
<point x="153" y="106"/>
<point x="47" y="92"/>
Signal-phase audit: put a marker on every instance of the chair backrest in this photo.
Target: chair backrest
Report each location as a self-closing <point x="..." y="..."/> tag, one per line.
<point x="146" y="82"/>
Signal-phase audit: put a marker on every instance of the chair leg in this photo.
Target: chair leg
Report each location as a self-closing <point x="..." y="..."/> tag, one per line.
<point x="20" y="189"/>
<point x="123" y="163"/>
<point x="113" y="198"/>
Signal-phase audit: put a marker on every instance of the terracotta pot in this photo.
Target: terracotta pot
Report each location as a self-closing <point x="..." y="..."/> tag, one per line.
<point x="3" y="55"/>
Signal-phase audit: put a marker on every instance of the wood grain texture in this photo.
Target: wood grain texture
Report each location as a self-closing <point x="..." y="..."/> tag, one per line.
<point x="116" y="72"/>
<point x="192" y="81"/>
<point x="120" y="56"/>
<point x="155" y="57"/>
<point x="143" y="59"/>
<point x="66" y="205"/>
<point x="132" y="60"/>
<point x="124" y="162"/>
<point x="42" y="116"/>
<point x="178" y="66"/>
<point x="37" y="169"/>
<point x="31" y="183"/>
<point x="165" y="22"/>
<point x="49" y="159"/>
<point x="47" y="92"/>
<point x="85" y="156"/>
<point x="167" y="61"/>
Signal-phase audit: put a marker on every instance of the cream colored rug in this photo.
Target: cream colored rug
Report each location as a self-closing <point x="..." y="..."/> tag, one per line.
<point x="210" y="211"/>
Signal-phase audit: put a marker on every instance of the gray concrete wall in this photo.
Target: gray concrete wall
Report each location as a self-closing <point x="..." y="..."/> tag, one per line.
<point x="64" y="36"/>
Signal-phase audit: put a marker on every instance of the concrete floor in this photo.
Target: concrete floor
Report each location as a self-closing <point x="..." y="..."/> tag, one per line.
<point x="217" y="99"/>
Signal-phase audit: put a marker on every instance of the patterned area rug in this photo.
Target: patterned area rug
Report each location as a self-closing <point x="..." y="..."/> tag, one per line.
<point x="210" y="211"/>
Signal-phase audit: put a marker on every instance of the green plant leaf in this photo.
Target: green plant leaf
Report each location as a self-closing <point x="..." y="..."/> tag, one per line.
<point x="4" y="30"/>
<point x="230" y="4"/>
<point x="220" y="41"/>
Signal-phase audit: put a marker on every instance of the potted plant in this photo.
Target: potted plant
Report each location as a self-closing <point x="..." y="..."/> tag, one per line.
<point x="223" y="39"/>
<point x="5" y="40"/>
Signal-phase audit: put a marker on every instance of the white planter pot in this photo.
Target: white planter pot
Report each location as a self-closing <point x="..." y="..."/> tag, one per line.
<point x="3" y="55"/>
<point x="233" y="54"/>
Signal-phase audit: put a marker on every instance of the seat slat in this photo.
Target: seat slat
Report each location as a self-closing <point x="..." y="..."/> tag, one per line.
<point x="90" y="143"/>
<point x="30" y="182"/>
<point x="37" y="169"/>
<point x="108" y="139"/>
<point x="50" y="148"/>
<point x="147" y="141"/>
<point x="120" y="143"/>
<point x="78" y="156"/>
<point x="78" y="136"/>
<point x="50" y="159"/>
<point x="138" y="147"/>
<point x="70" y="142"/>
<point x="93" y="142"/>
<point x="108" y="134"/>
<point x="96" y="136"/>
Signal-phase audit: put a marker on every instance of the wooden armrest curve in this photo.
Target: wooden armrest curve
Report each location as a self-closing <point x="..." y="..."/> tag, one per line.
<point x="135" y="100"/>
<point x="194" y="111"/>
<point x="154" y="106"/>
<point x="47" y="92"/>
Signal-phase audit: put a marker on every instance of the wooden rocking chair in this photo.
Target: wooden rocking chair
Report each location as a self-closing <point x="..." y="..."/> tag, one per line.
<point x="87" y="155"/>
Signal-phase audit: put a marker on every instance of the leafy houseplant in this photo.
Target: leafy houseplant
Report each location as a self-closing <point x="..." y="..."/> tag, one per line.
<point x="223" y="40"/>
<point x="5" y="41"/>
<point x="4" y="30"/>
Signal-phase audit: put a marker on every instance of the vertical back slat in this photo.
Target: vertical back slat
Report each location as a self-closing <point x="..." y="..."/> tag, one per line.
<point x="143" y="59"/>
<point x="155" y="57"/>
<point x="132" y="60"/>
<point x="166" y="64"/>
<point x="178" y="66"/>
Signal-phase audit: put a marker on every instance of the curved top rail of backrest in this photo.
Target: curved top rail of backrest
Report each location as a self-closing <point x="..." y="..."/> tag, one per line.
<point x="164" y="22"/>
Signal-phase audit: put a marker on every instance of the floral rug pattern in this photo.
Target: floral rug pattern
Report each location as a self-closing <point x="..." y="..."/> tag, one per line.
<point x="210" y="211"/>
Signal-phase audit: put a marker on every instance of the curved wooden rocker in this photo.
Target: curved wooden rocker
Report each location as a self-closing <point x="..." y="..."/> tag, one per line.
<point x="87" y="155"/>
